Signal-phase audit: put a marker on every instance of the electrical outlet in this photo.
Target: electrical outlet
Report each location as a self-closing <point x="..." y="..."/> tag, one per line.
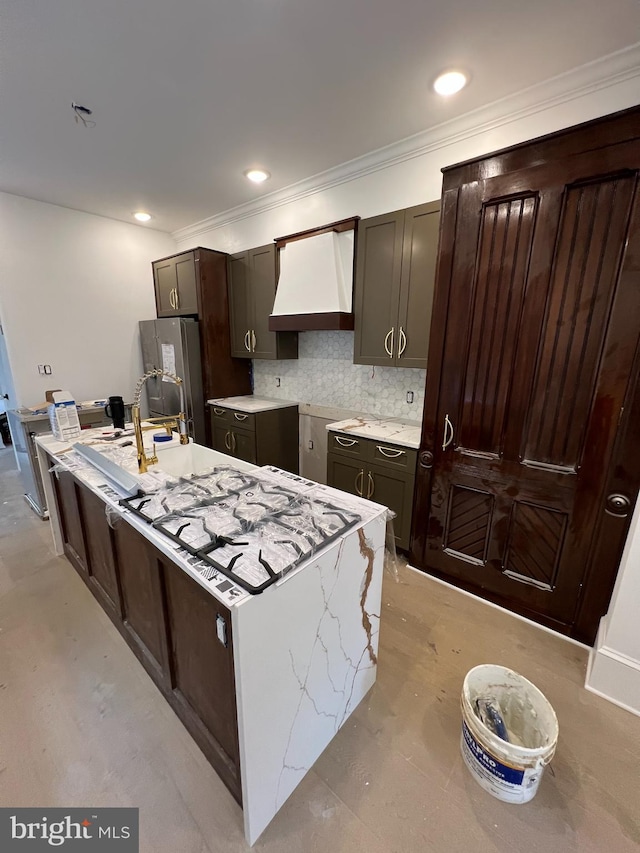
<point x="409" y="396"/>
<point x="277" y="381"/>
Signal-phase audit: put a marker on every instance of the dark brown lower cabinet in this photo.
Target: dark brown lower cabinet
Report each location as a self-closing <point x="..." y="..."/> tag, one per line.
<point x="202" y="674"/>
<point x="180" y="633"/>
<point x="361" y="468"/>
<point x="65" y="487"/>
<point x="142" y="600"/>
<point x="100" y="556"/>
<point x="262" y="438"/>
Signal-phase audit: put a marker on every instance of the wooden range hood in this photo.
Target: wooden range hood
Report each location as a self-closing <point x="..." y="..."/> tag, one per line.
<point x="315" y="279"/>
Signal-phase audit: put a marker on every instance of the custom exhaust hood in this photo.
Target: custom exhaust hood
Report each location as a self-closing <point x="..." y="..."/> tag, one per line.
<point x="315" y="284"/>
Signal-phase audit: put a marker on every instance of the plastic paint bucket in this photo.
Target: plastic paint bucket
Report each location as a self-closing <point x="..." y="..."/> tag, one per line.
<point x="509" y="771"/>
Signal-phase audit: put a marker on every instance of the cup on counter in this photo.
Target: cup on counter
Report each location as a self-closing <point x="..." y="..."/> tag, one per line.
<point x="115" y="410"/>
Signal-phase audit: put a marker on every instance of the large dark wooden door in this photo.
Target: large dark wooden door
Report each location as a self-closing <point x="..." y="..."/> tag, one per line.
<point x="539" y="297"/>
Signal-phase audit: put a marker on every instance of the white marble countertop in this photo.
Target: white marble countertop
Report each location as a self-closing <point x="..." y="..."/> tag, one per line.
<point x="394" y="430"/>
<point x="249" y="403"/>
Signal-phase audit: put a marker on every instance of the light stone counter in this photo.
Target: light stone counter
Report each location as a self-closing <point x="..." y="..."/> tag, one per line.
<point x="250" y="404"/>
<point x="394" y="430"/>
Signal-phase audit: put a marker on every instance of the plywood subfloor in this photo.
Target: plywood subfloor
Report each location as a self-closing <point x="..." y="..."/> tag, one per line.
<point x="82" y="725"/>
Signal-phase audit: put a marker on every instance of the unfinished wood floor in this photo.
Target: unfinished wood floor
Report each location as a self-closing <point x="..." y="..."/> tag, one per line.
<point x="82" y="725"/>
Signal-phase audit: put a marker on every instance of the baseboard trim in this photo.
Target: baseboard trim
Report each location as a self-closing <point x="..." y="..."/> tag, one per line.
<point x="613" y="701"/>
<point x="499" y="607"/>
<point x="613" y="676"/>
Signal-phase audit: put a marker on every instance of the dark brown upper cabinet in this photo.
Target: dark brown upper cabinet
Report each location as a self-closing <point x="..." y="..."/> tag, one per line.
<point x="394" y="281"/>
<point x="176" y="285"/>
<point x="194" y="283"/>
<point x="252" y="289"/>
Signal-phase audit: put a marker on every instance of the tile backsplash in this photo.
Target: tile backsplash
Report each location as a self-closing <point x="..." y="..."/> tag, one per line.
<point x="324" y="374"/>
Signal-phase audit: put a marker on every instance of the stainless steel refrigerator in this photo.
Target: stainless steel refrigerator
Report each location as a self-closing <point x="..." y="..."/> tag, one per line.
<point x="174" y="344"/>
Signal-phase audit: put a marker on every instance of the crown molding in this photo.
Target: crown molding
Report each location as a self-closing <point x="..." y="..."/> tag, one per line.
<point x="601" y="74"/>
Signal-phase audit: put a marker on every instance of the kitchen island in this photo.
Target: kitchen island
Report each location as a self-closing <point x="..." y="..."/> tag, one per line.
<point x="262" y="681"/>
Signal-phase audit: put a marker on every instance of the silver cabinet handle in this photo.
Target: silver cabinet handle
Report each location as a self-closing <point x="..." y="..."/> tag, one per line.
<point x="176" y="296"/>
<point x="218" y="411"/>
<point x="253" y="340"/>
<point x="448" y="427"/>
<point x="240" y="417"/>
<point x="402" y="344"/>
<point x="247" y="345"/>
<point x="233" y="442"/>
<point x="345" y="442"/>
<point x="389" y="347"/>
<point x="372" y="486"/>
<point x="171" y="302"/>
<point x="360" y="477"/>
<point x="227" y="440"/>
<point x="390" y="454"/>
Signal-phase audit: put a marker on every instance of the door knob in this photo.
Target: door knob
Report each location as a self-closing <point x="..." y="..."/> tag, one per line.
<point x="618" y="505"/>
<point x="426" y="459"/>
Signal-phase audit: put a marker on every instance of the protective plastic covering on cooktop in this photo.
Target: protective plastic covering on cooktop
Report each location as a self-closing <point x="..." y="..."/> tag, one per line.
<point x="252" y="527"/>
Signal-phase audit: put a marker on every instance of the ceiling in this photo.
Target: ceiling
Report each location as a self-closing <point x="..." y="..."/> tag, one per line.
<point x="186" y="95"/>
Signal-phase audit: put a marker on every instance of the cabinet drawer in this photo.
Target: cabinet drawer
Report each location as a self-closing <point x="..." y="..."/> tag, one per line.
<point x="244" y="420"/>
<point x="347" y="444"/>
<point x="219" y="415"/>
<point x="394" y="456"/>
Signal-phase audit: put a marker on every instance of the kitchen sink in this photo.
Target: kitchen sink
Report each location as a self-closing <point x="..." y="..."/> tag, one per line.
<point x="186" y="459"/>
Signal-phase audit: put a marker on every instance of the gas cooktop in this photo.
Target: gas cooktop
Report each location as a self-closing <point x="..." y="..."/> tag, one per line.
<point x="248" y="526"/>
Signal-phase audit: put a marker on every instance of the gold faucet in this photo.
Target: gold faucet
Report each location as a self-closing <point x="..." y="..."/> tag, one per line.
<point x="170" y="423"/>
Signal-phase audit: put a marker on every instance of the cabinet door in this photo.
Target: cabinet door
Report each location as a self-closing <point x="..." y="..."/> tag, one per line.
<point x="240" y="314"/>
<point x="99" y="548"/>
<point x="394" y="490"/>
<point x="187" y="284"/>
<point x="262" y="263"/>
<point x="419" y="254"/>
<point x="377" y="289"/>
<point x="221" y="437"/>
<point x="346" y="474"/>
<point x="65" y="488"/>
<point x="142" y="599"/>
<point x="244" y="445"/>
<point x="202" y="660"/>
<point x="165" y="282"/>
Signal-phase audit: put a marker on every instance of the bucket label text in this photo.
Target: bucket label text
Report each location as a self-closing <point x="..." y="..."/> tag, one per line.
<point x="491" y="765"/>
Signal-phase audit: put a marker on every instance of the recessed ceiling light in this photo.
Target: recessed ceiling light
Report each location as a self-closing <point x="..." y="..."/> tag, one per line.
<point x="257" y="175"/>
<point x="450" y="82"/>
<point x="141" y="216"/>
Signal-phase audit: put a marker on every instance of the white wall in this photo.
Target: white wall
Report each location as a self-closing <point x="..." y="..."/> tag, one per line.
<point x="72" y="288"/>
